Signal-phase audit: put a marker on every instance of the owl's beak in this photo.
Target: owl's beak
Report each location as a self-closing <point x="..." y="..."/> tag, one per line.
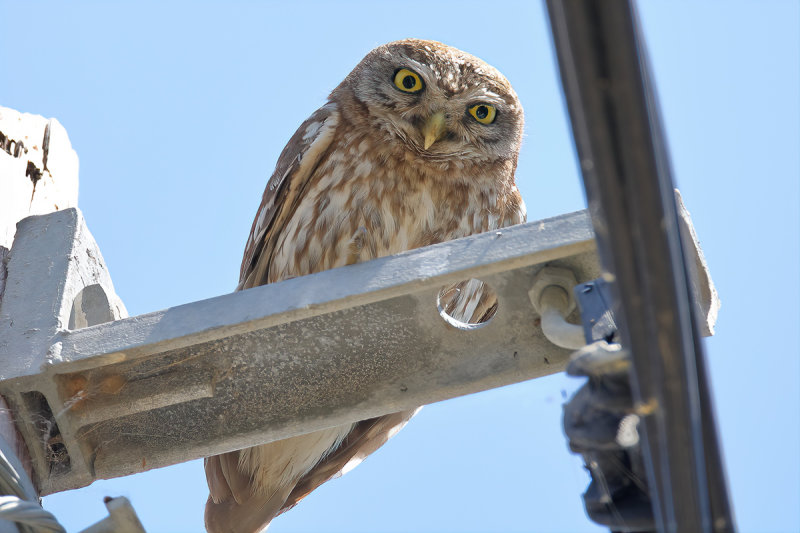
<point x="433" y="129"/>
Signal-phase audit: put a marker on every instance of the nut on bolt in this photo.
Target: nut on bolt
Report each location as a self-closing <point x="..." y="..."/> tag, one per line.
<point x="550" y="276"/>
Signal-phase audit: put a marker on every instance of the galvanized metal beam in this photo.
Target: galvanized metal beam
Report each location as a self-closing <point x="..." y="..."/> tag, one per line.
<point x="267" y="363"/>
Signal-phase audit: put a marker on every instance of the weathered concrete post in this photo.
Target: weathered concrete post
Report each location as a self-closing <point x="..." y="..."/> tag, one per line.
<point x="38" y="175"/>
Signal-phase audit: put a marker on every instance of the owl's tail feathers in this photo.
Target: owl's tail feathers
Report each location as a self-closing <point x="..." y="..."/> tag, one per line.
<point x="231" y="508"/>
<point x="251" y="516"/>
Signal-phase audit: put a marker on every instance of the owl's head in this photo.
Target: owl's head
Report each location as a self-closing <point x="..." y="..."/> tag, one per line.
<point x="438" y="101"/>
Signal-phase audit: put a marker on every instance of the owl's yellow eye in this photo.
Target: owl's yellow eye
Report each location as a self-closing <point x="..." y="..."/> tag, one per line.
<point x="408" y="81"/>
<point x="483" y="113"/>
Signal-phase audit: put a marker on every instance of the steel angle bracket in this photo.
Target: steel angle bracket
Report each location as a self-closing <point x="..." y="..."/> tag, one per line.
<point x="250" y="367"/>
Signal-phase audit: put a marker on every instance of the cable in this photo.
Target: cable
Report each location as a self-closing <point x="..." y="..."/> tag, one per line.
<point x="21" y="504"/>
<point x="28" y="513"/>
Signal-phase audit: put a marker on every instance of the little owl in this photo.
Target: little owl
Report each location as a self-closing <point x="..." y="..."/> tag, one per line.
<point x="417" y="145"/>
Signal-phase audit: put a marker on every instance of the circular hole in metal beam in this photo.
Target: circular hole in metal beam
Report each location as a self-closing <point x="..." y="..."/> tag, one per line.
<point x="467" y="305"/>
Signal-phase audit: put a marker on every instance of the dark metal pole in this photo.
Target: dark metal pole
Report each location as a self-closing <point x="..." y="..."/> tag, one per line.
<point x="627" y="177"/>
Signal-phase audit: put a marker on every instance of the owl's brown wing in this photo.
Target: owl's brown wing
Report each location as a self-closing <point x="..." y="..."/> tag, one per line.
<point x="284" y="191"/>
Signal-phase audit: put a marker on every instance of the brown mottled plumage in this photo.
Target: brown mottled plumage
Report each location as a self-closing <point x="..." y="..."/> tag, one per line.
<point x="416" y="146"/>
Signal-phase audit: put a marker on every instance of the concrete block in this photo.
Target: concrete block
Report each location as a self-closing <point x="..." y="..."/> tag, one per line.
<point x="38" y="169"/>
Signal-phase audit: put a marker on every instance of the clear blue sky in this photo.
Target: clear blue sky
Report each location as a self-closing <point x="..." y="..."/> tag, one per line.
<point x="178" y="111"/>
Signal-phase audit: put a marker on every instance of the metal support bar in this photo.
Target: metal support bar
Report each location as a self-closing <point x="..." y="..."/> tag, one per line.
<point x="263" y="364"/>
<point x="622" y="152"/>
<point x="268" y="363"/>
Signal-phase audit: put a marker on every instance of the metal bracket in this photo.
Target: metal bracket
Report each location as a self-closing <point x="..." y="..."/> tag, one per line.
<point x="121" y="518"/>
<point x="595" y="302"/>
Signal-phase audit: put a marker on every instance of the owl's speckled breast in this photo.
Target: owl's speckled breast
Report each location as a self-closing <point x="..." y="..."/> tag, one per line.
<point x="374" y="198"/>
